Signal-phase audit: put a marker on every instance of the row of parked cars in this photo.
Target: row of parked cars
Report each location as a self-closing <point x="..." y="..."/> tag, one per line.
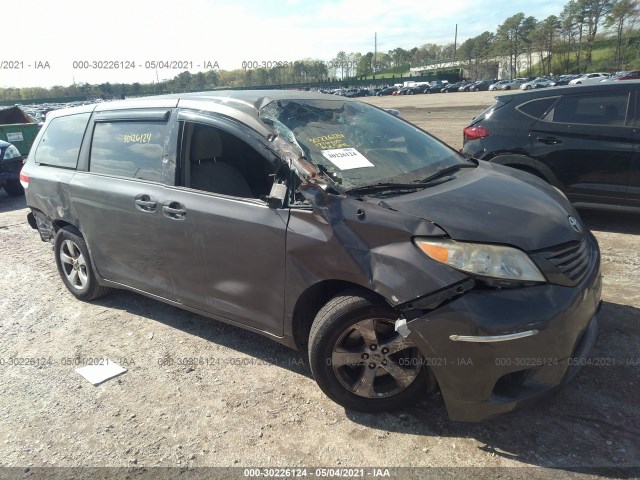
<point x="38" y="111"/>
<point x="529" y="83"/>
<point x="583" y="79"/>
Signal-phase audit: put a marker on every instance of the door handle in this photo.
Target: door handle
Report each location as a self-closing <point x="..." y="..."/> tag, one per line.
<point x="549" y="140"/>
<point x="145" y="203"/>
<point x="174" y="210"/>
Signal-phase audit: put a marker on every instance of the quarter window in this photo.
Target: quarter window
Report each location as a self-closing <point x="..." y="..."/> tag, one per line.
<point x="537" y="108"/>
<point x="609" y="109"/>
<point x="60" y="142"/>
<point x="128" y="149"/>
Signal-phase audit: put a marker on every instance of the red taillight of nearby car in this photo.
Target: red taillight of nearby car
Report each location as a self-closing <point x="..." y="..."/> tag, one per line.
<point x="475" y="132"/>
<point x="24" y="180"/>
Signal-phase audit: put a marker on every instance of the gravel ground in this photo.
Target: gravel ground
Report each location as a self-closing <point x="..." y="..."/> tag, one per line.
<point x="255" y="403"/>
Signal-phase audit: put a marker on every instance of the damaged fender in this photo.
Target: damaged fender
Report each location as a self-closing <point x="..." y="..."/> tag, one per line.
<point x="365" y="244"/>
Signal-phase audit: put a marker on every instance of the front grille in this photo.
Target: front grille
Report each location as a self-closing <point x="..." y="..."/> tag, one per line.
<point x="571" y="259"/>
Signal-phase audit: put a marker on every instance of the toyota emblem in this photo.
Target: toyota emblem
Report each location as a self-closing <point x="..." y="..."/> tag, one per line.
<point x="575" y="224"/>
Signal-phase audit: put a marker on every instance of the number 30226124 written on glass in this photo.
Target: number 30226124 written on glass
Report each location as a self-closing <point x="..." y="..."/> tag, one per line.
<point x="136" y="138"/>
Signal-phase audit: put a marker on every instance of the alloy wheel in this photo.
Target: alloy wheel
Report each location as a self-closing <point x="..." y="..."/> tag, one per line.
<point x="73" y="264"/>
<point x="371" y="360"/>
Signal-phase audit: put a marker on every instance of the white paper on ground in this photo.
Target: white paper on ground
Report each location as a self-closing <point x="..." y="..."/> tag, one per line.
<point x="104" y="369"/>
<point x="346" y="158"/>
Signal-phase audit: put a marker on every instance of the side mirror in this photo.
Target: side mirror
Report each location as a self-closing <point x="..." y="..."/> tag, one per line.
<point x="277" y="196"/>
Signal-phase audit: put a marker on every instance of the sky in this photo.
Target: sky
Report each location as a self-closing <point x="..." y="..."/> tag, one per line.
<point x="54" y="42"/>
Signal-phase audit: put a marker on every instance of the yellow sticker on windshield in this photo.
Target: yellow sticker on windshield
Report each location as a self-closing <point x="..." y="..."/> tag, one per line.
<point x="327" y="142"/>
<point x="346" y="158"/>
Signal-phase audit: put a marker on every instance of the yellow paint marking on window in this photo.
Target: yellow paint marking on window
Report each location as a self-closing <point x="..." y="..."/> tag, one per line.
<point x="137" y="138"/>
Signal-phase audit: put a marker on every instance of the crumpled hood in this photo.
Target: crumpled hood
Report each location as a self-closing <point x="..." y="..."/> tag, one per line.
<point x="495" y="204"/>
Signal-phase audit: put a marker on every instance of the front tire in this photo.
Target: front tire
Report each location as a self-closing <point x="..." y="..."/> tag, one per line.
<point x="358" y="359"/>
<point x="74" y="265"/>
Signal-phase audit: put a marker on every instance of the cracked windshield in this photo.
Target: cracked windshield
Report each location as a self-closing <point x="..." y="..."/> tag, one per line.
<point x="358" y="145"/>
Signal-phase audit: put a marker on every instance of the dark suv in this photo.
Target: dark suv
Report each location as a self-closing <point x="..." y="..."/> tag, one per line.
<point x="325" y="224"/>
<point x="583" y="140"/>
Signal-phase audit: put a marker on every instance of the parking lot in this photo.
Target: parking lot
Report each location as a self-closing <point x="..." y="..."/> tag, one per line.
<point x="201" y="393"/>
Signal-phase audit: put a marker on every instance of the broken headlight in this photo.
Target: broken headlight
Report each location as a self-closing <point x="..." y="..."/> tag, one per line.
<point x="491" y="261"/>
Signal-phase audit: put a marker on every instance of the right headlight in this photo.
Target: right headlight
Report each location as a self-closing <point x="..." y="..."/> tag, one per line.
<point x="491" y="261"/>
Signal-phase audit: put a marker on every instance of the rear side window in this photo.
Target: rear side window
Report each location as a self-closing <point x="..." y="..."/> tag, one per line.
<point x="60" y="142"/>
<point x="128" y="149"/>
<point x="609" y="109"/>
<point x="537" y="108"/>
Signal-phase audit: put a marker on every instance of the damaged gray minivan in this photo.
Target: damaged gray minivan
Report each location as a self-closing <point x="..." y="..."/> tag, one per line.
<point x="330" y="225"/>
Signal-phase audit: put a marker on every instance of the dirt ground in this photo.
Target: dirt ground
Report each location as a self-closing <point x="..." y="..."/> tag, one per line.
<point x="256" y="405"/>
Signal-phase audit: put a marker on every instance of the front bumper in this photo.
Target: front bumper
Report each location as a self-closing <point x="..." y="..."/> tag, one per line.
<point x="481" y="379"/>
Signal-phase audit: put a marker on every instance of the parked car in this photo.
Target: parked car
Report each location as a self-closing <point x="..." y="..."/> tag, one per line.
<point x="513" y="84"/>
<point x="540" y="82"/>
<point x="330" y="225"/>
<point x="633" y="75"/>
<point x="387" y="91"/>
<point x="451" y="87"/>
<point x="416" y="89"/>
<point x="352" y="92"/>
<point x="564" y="80"/>
<point x="466" y="86"/>
<point x="498" y="84"/>
<point x="480" y="86"/>
<point x="579" y="139"/>
<point x="589" y="78"/>
<point x="404" y="91"/>
<point x="10" y="165"/>
<point x="435" y="87"/>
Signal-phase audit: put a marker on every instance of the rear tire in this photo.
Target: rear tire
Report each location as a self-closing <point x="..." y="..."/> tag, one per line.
<point x="74" y="265"/>
<point x="359" y="361"/>
<point x="13" y="188"/>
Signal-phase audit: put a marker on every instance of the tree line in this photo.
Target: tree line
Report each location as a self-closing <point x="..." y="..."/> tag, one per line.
<point x="561" y="44"/>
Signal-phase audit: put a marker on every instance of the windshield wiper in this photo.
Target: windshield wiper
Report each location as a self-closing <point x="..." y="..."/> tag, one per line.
<point x="445" y="171"/>
<point x="385" y="186"/>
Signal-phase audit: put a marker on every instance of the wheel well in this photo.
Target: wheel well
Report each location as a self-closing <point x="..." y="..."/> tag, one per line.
<point x="310" y="303"/>
<point x="58" y="224"/>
